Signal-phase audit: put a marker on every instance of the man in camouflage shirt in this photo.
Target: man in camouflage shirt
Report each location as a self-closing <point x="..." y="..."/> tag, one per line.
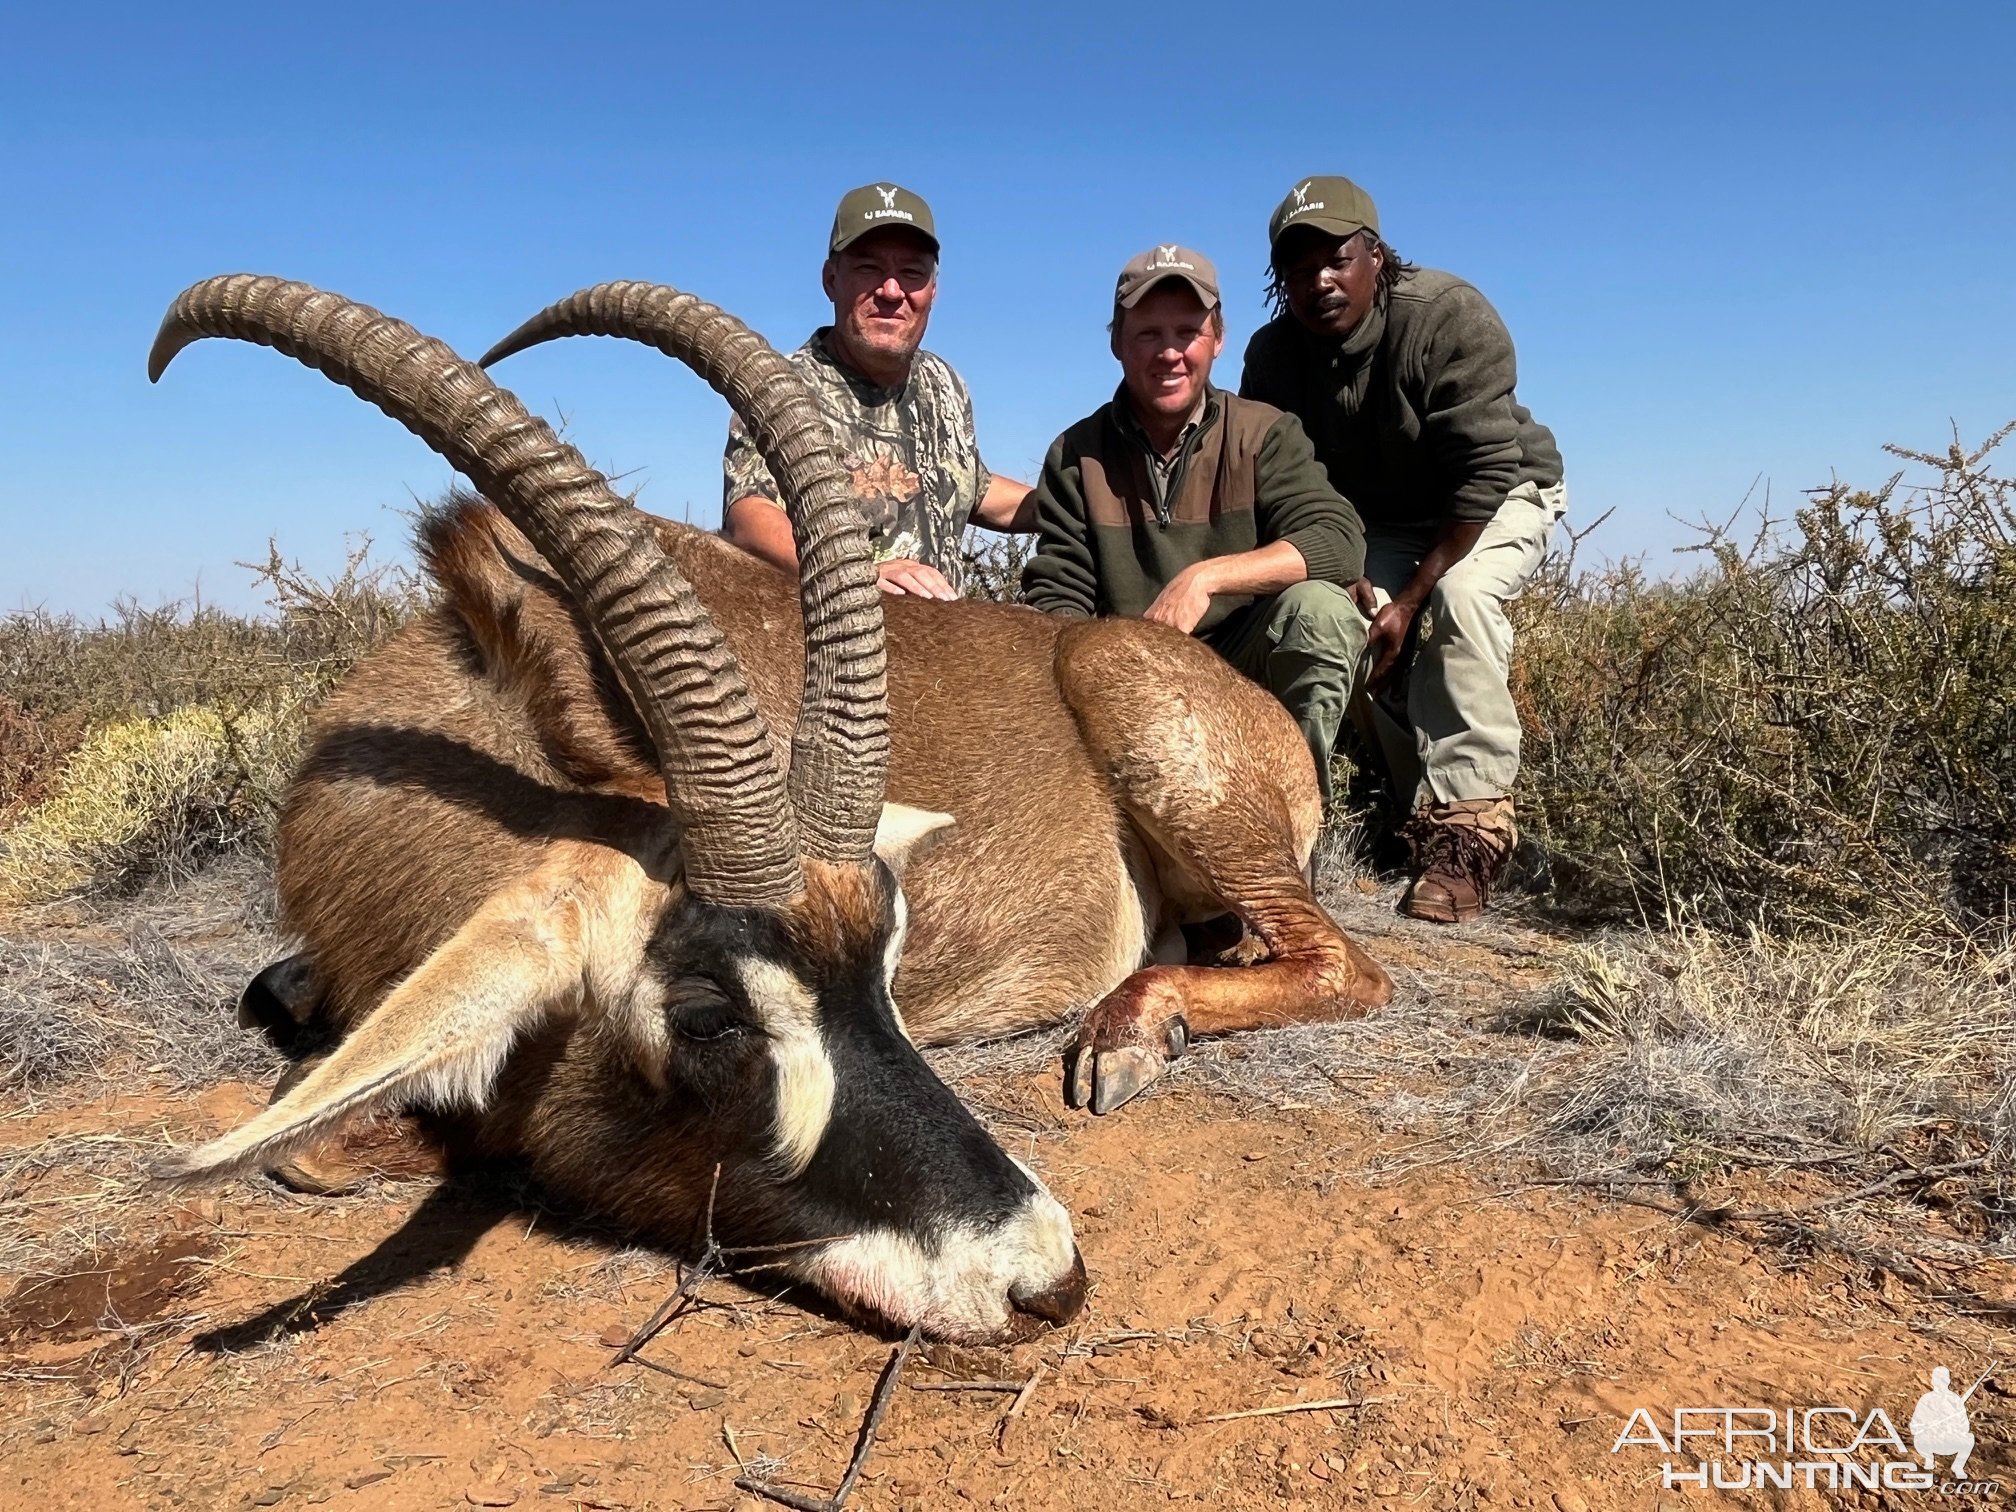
<point x="901" y="416"/>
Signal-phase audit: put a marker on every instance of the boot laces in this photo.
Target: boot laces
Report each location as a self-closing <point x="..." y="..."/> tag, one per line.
<point x="1460" y="849"/>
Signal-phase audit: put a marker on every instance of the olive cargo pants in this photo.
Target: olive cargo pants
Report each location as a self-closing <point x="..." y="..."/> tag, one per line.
<point x="1306" y="646"/>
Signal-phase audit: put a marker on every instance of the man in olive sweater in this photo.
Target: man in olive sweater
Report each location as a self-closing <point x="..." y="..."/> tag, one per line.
<point x="1182" y="503"/>
<point x="1403" y="378"/>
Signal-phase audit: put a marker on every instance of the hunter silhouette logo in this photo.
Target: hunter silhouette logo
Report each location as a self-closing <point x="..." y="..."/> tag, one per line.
<point x="1939" y="1422"/>
<point x="888" y="197"/>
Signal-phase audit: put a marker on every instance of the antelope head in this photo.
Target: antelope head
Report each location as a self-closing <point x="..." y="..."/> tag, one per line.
<point x="706" y="1012"/>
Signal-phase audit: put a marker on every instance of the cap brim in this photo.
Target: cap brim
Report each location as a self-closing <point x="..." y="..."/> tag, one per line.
<point x="1203" y="291"/>
<point x="1329" y="225"/>
<point x="915" y="230"/>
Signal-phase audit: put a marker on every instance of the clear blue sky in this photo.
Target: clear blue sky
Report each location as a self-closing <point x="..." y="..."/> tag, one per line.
<point x="1731" y="242"/>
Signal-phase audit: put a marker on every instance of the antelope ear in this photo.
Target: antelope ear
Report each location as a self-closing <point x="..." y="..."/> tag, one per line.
<point x="904" y="833"/>
<point x="441" y="1036"/>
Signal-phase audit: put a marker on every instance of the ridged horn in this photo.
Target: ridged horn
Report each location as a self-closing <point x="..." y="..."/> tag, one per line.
<point x="840" y="749"/>
<point x="721" y="775"/>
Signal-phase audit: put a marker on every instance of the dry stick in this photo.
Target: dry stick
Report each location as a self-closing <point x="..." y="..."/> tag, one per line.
<point x="1897" y="1264"/>
<point x="650" y="1364"/>
<point x="1002" y="1386"/>
<point x="709" y="1255"/>
<point x="1015" y="1407"/>
<point x="878" y="1406"/>
<point x="713" y="1262"/>
<point x="1928" y="1174"/>
<point x="1338" y="1404"/>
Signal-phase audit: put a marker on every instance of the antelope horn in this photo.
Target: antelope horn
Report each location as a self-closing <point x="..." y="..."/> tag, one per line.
<point x="840" y="749"/>
<point x="721" y="776"/>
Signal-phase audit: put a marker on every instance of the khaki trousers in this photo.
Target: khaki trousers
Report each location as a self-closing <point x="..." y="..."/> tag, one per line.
<point x="1445" y="723"/>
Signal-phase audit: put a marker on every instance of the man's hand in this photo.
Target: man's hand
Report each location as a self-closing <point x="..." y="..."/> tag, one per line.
<point x="1183" y="599"/>
<point x="1386" y="637"/>
<point x="901" y="575"/>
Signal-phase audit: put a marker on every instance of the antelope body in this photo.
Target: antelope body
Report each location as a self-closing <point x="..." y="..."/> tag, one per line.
<point x="552" y="868"/>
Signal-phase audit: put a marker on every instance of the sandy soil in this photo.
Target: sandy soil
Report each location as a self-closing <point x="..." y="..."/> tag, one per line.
<point x="426" y="1345"/>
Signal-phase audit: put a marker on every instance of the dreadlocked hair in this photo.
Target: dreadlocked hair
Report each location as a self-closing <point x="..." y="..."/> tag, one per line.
<point x="1392" y="268"/>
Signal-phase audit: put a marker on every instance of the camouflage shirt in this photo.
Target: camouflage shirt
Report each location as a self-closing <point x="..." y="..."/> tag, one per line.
<point x="910" y="451"/>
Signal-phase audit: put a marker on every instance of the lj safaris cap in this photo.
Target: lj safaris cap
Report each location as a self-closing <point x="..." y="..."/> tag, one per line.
<point x="877" y="207"/>
<point x="1327" y="202"/>
<point x="1146" y="269"/>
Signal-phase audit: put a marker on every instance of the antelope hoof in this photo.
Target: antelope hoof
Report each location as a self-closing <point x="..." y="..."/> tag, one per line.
<point x="1103" y="1080"/>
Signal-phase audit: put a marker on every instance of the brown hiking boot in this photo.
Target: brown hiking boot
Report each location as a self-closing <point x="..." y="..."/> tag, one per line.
<point x="1459" y="849"/>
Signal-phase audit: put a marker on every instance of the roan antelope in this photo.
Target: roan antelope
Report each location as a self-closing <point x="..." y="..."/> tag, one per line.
<point x="553" y="868"/>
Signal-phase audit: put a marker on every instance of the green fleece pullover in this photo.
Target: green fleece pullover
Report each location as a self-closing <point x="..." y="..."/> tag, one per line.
<point x="1413" y="414"/>
<point x="1245" y="477"/>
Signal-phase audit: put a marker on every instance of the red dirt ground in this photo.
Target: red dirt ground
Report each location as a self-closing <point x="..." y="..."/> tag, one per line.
<point x="252" y="1349"/>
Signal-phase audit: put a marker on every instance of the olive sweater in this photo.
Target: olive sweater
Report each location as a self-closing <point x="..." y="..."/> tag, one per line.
<point x="1413" y="414"/>
<point x="1245" y="477"/>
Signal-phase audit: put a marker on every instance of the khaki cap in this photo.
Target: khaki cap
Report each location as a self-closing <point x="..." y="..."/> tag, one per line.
<point x="1327" y="202"/>
<point x="1146" y="269"/>
<point x="877" y="207"/>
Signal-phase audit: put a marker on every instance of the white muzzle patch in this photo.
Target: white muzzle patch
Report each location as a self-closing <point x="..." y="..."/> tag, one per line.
<point x="957" y="1286"/>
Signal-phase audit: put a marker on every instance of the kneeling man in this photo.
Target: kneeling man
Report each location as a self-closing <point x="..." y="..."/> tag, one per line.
<point x="1182" y="503"/>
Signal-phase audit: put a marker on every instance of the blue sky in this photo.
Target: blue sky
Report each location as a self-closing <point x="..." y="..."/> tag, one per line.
<point x="1734" y="244"/>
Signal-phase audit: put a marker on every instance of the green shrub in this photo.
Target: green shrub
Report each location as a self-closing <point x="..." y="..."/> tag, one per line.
<point x="1820" y="725"/>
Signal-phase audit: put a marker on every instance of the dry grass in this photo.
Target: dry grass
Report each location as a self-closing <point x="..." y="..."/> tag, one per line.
<point x="142" y="798"/>
<point x="1853" y="1043"/>
<point x="151" y="741"/>
<point x="145" y="987"/>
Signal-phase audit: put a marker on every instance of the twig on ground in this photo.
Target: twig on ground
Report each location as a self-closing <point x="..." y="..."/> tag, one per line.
<point x="650" y="1364"/>
<point x="715" y="1260"/>
<point x="1015" y="1407"/>
<point x="1004" y="1386"/>
<point x="878" y="1407"/>
<point x="1926" y="1174"/>
<point x="1337" y="1404"/>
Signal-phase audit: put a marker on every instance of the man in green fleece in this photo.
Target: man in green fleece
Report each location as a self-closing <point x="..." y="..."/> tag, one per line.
<point x="1182" y="503"/>
<point x="1403" y="378"/>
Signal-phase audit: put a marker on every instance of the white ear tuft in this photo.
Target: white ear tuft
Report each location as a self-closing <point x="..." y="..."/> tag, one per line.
<point x="904" y="833"/>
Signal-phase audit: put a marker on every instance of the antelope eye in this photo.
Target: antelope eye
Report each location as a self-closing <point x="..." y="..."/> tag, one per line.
<point x="707" y="1018"/>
